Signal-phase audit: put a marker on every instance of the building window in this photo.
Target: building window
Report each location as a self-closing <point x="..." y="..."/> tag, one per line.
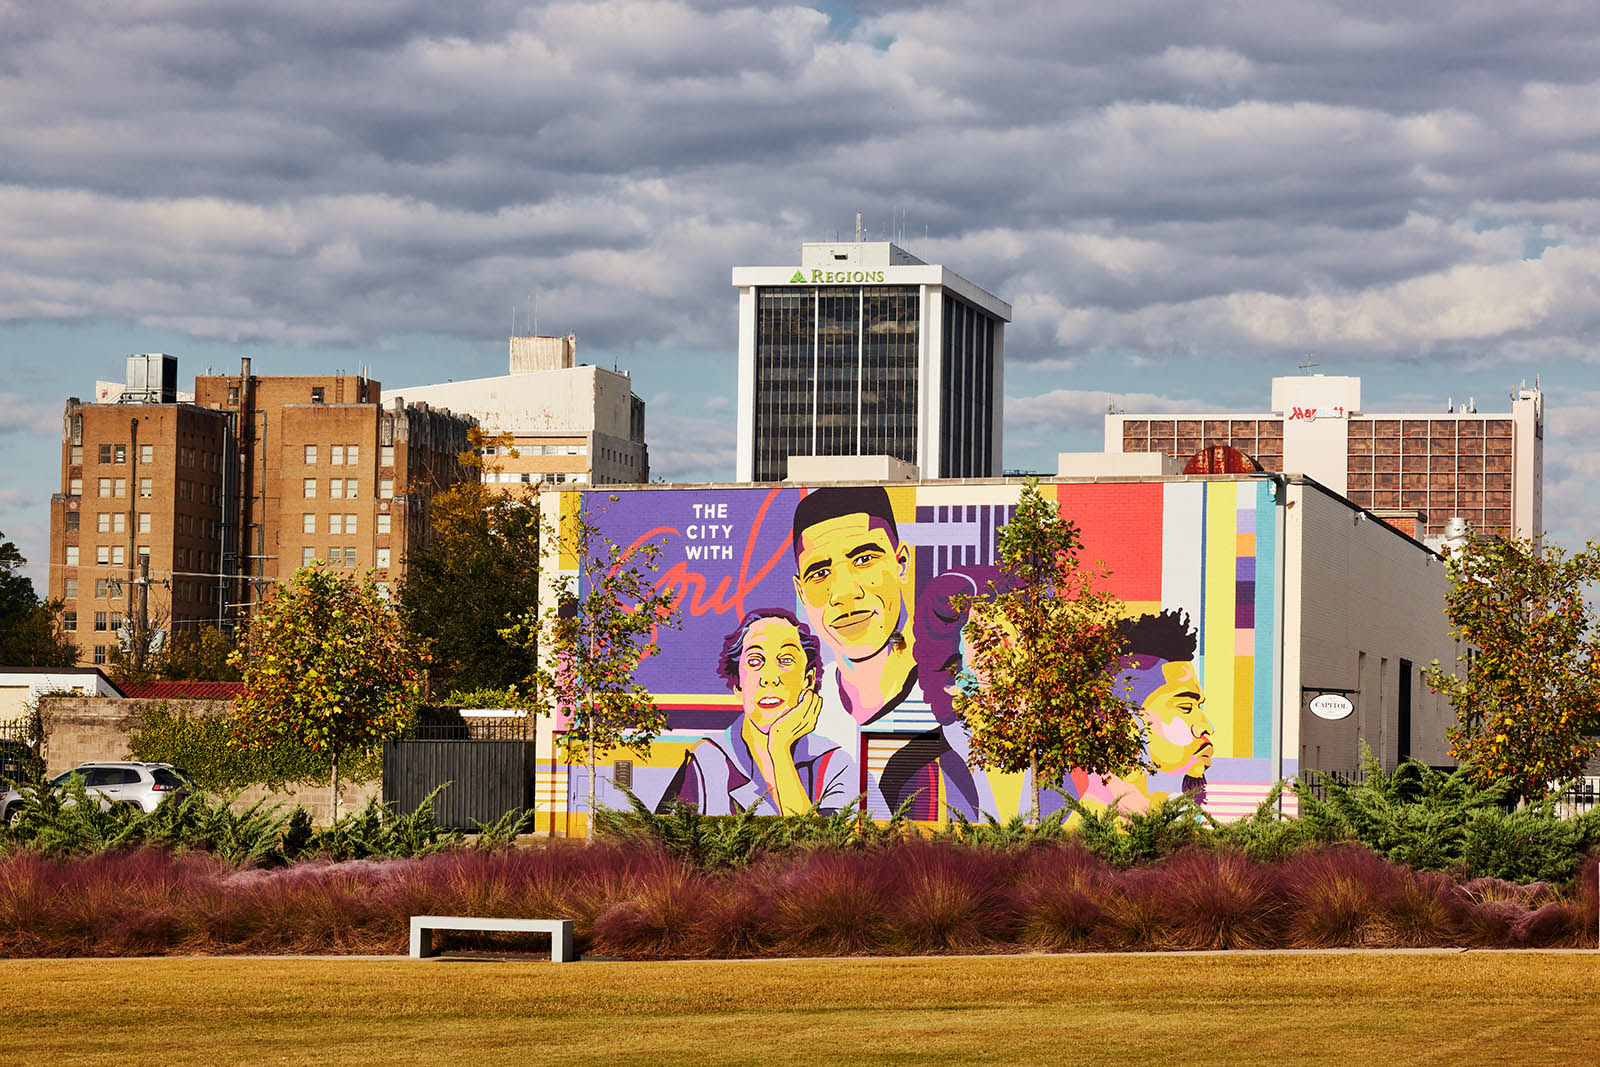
<point x="311" y="455"/>
<point x="386" y="488"/>
<point x="72" y="521"/>
<point x="102" y="554"/>
<point x="335" y="488"/>
<point x="147" y="453"/>
<point x="69" y="620"/>
<point x="144" y="522"/>
<point x="100" y="622"/>
<point x="100" y="588"/>
<point x="349" y="556"/>
<point x="310" y="488"/>
<point x="119" y="487"/>
<point x="349" y="523"/>
<point x="116" y="621"/>
<point x="307" y="554"/>
<point x="350" y="489"/>
<point x="118" y="558"/>
<point x="316" y="395"/>
<point x="71" y="588"/>
<point x="143" y="552"/>
<point x="308" y="523"/>
<point x="383" y="558"/>
<point x="121" y="454"/>
<point x="102" y="487"/>
<point x="74" y="486"/>
<point x="102" y="522"/>
<point x="383" y="590"/>
<point x="145" y="488"/>
<point x="336" y="455"/>
<point x="75" y="455"/>
<point x="233" y="394"/>
<point x="100" y="654"/>
<point x="336" y="524"/>
<point x="386" y="456"/>
<point x="352" y="454"/>
<point x="105" y="454"/>
<point x="383" y="523"/>
<point x="72" y="555"/>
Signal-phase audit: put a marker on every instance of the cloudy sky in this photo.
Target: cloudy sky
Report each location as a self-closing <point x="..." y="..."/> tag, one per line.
<point x="1180" y="200"/>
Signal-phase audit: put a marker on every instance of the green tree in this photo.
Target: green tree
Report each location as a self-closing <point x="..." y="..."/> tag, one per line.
<point x="1042" y="692"/>
<point x="1528" y="700"/>
<point x="327" y="665"/>
<point x="30" y="631"/>
<point x="476" y="575"/>
<point x="592" y="637"/>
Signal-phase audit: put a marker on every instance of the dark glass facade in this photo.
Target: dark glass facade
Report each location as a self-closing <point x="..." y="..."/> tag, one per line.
<point x="967" y="402"/>
<point x="835" y="374"/>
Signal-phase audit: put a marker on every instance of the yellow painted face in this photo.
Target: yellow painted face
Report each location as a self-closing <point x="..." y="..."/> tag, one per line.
<point x="849" y="580"/>
<point x="772" y="669"/>
<point x="1180" y="733"/>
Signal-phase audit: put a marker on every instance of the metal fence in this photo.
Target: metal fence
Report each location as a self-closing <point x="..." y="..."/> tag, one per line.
<point x="1581" y="795"/>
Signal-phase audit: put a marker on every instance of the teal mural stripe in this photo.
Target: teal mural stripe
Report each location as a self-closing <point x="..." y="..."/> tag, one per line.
<point x="1266" y="599"/>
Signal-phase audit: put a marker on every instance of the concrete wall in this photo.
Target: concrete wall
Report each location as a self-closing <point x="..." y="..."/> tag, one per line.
<point x="1369" y="599"/>
<point x="88" y="729"/>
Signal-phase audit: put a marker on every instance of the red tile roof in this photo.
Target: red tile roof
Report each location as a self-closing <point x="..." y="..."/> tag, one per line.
<point x="183" y="690"/>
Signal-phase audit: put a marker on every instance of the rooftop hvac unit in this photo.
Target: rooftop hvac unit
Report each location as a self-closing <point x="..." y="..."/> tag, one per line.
<point x="152" y="378"/>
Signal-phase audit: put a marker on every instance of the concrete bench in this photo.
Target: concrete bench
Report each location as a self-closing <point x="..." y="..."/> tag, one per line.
<point x="422" y="927"/>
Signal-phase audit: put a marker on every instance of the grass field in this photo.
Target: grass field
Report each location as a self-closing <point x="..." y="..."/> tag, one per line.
<point x="1353" y="1008"/>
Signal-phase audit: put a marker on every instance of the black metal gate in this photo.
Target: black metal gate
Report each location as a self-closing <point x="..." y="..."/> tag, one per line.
<point x="486" y="778"/>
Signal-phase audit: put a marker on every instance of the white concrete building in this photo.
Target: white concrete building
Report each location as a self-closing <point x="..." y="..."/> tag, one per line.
<point x="569" y="422"/>
<point x="863" y="349"/>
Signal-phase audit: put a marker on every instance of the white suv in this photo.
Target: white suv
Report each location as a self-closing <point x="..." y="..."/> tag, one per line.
<point x="141" y="785"/>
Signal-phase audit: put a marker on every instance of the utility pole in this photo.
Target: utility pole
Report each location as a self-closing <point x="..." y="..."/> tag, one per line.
<point x="133" y="508"/>
<point x="141" y="632"/>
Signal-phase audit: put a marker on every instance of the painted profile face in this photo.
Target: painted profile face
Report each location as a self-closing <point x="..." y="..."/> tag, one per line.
<point x="1180" y="733"/>
<point x="772" y="670"/>
<point x="849" y="580"/>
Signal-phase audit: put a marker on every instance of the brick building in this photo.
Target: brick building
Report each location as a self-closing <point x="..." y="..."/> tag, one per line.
<point x="1416" y="470"/>
<point x="227" y="495"/>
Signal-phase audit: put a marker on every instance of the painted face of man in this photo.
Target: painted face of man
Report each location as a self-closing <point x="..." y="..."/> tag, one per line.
<point x="772" y="670"/>
<point x="1180" y="733"/>
<point x="850" y="576"/>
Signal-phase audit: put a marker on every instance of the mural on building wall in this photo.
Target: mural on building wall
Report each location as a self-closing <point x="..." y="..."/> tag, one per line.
<point x="819" y="652"/>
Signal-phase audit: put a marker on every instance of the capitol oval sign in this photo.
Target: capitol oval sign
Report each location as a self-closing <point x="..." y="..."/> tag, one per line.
<point x="1331" y="706"/>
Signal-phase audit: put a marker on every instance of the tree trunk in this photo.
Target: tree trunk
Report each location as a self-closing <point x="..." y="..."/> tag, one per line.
<point x="333" y="807"/>
<point x="1033" y="775"/>
<point x="589" y="833"/>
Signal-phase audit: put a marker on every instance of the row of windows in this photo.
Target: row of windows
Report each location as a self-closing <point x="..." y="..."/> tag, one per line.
<point x="344" y="556"/>
<point x="103" y="621"/>
<point x="535" y="450"/>
<point x="341" y="455"/>
<point x="340" y="524"/>
<point x="348" y="488"/>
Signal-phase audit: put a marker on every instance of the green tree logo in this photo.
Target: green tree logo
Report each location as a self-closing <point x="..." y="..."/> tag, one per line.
<point x="799" y="276"/>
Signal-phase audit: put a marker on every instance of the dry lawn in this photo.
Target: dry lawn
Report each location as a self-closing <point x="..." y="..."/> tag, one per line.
<point x="1389" y="1009"/>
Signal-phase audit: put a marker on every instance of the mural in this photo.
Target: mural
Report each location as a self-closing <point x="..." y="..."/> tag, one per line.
<point x="820" y="653"/>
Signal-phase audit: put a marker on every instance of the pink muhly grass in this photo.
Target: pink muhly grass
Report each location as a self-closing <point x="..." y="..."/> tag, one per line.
<point x="740" y="917"/>
<point x="1213" y="899"/>
<point x="1339" y="897"/>
<point x="831" y="903"/>
<point x="947" y="898"/>
<point x="1427" y="909"/>
<point x="656" y="915"/>
<point x="1061" y="894"/>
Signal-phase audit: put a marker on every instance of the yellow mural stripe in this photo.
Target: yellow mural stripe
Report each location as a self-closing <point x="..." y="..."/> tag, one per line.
<point x="568" y="525"/>
<point x="1221" y="566"/>
<point x="1244" y="682"/>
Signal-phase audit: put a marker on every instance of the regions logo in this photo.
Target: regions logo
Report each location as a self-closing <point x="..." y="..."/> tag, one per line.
<point x="835" y="277"/>
<point x="799" y="278"/>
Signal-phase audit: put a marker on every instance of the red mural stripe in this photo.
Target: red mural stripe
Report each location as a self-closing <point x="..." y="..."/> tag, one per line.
<point x="1121" y="527"/>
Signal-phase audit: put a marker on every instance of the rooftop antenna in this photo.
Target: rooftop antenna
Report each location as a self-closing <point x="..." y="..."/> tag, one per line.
<point x="858" y="227"/>
<point x="1309" y="363"/>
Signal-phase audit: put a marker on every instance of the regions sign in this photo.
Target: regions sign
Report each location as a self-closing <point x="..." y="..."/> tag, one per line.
<point x="836" y="277"/>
